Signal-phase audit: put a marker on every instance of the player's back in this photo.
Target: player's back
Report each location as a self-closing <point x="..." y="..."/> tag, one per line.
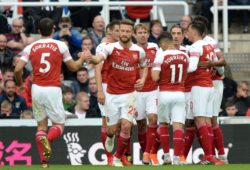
<point x="173" y="70"/>
<point x="46" y="56"/>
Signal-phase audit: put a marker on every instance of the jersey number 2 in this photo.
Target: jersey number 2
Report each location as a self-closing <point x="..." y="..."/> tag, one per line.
<point x="46" y="62"/>
<point x="173" y="72"/>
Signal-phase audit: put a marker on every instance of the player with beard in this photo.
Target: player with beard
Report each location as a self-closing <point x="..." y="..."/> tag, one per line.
<point x="124" y="58"/>
<point x="146" y="98"/>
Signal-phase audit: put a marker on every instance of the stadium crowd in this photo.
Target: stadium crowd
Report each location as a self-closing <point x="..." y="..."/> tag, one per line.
<point x="83" y="93"/>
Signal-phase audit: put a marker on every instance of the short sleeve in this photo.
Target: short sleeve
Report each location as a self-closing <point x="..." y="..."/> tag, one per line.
<point x="107" y="50"/>
<point x="142" y="56"/>
<point x="64" y="50"/>
<point x="25" y="54"/>
<point x="158" y="60"/>
<point x="194" y="51"/>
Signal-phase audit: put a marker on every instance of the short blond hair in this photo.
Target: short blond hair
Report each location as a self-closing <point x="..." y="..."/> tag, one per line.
<point x="141" y="25"/>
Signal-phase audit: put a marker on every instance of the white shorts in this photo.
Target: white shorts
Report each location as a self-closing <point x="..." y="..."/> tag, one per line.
<point x="120" y="106"/>
<point x="218" y="94"/>
<point x="103" y="108"/>
<point x="189" y="106"/>
<point x="146" y="103"/>
<point x="171" y="107"/>
<point x="47" y="102"/>
<point x="202" y="100"/>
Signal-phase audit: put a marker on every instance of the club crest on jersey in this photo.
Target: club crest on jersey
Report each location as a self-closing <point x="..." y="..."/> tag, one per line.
<point x="135" y="56"/>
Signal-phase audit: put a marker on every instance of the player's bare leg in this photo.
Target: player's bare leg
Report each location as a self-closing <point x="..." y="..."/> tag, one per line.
<point x="103" y="138"/>
<point x="43" y="145"/>
<point x="178" y="140"/>
<point x="219" y="140"/>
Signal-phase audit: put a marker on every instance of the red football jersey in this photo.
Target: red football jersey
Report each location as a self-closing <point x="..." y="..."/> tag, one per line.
<point x="202" y="77"/>
<point x="123" y="64"/>
<point x="46" y="56"/>
<point x="150" y="51"/>
<point x="173" y="65"/>
<point x="105" y="66"/>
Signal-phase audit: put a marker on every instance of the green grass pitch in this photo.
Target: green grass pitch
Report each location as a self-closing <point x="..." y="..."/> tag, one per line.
<point x="91" y="167"/>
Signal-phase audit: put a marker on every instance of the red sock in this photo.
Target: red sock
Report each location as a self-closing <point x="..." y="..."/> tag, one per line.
<point x="205" y="140"/>
<point x="156" y="144"/>
<point x="189" y="139"/>
<point x="54" y="132"/>
<point x="39" y="144"/>
<point x="151" y="131"/>
<point x="121" y="145"/>
<point x="219" y="140"/>
<point x="142" y="140"/>
<point x="178" y="142"/>
<point x="211" y="135"/>
<point x="164" y="138"/>
<point x="103" y="138"/>
<point x="128" y="148"/>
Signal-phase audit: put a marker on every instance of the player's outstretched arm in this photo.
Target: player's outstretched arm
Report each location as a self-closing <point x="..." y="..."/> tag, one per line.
<point x="98" y="77"/>
<point x="96" y="59"/>
<point x="76" y="65"/>
<point x="19" y="72"/>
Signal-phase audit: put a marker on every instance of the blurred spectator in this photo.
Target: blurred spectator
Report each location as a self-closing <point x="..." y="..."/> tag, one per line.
<point x="18" y="102"/>
<point x="244" y="13"/>
<point x="72" y="35"/>
<point x="241" y="98"/>
<point x="7" y="73"/>
<point x="6" y="54"/>
<point x="185" y="21"/>
<point x="82" y="80"/>
<point x="93" y="95"/>
<point x="83" y="16"/>
<point x="81" y="109"/>
<point x="69" y="83"/>
<point x="155" y="31"/>
<point x="16" y="39"/>
<point x="231" y="109"/>
<point x="33" y="15"/>
<point x="68" y="101"/>
<point x="88" y="44"/>
<point x="98" y="31"/>
<point x="3" y="22"/>
<point x="27" y="114"/>
<point x="6" y="111"/>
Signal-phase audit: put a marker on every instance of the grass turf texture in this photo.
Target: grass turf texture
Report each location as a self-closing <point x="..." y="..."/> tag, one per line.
<point x="91" y="167"/>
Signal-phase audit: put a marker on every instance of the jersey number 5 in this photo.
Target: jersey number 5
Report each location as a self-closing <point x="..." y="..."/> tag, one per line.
<point x="46" y="62"/>
<point x="173" y="72"/>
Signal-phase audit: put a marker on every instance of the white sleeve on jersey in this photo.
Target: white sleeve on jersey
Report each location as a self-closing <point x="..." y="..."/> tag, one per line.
<point x="142" y="56"/>
<point x="158" y="60"/>
<point x="25" y="54"/>
<point x="100" y="48"/>
<point x="107" y="50"/>
<point x="193" y="64"/>
<point x="64" y="50"/>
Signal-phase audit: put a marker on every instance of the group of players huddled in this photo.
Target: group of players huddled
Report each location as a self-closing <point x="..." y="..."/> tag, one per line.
<point x="157" y="86"/>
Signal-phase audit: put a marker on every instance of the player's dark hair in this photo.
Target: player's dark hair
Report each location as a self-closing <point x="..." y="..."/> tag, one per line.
<point x="127" y="22"/>
<point x="46" y="26"/>
<point x="200" y="27"/>
<point x="177" y="26"/>
<point x="165" y="37"/>
<point x="112" y="24"/>
<point x="201" y="19"/>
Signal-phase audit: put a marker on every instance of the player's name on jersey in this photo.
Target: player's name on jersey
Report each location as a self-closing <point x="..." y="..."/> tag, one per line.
<point x="122" y="67"/>
<point x="175" y="57"/>
<point x="44" y="45"/>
